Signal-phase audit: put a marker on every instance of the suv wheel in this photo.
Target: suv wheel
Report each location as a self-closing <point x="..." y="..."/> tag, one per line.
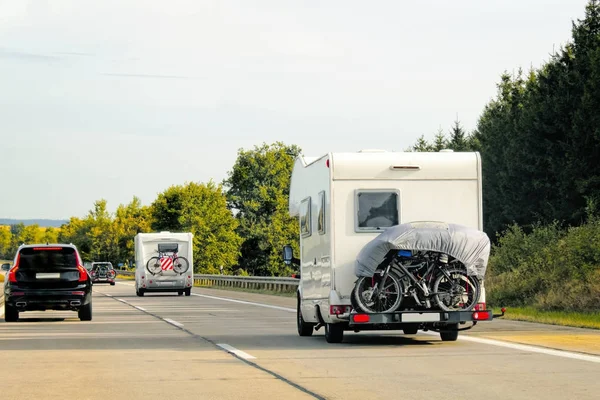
<point x="85" y="312"/>
<point x="11" y="314"/>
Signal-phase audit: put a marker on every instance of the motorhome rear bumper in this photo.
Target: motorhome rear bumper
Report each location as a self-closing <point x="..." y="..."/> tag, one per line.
<point x="414" y="317"/>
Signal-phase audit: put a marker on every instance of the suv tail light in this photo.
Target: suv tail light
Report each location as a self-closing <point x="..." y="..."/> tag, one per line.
<point x="83" y="275"/>
<point x="12" y="273"/>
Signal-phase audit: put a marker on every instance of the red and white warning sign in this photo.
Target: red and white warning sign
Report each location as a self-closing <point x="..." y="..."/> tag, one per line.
<point x="166" y="263"/>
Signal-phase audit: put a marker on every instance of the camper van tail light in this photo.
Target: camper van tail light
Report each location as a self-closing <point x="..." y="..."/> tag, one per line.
<point x="327" y="163"/>
<point x="481" y="315"/>
<point x="479" y="307"/>
<point x="337" y="310"/>
<point x="361" y="318"/>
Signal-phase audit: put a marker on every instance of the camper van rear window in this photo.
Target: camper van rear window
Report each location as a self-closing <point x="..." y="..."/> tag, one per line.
<point x="377" y="210"/>
<point x="168" y="247"/>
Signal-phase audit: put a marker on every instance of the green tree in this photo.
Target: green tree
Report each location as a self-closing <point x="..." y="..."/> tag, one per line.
<point x="130" y="220"/>
<point x="258" y="192"/>
<point x="5" y="243"/>
<point x="202" y="210"/>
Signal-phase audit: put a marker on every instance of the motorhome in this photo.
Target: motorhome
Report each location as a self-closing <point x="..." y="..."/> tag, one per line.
<point x="344" y="200"/>
<point x="164" y="262"/>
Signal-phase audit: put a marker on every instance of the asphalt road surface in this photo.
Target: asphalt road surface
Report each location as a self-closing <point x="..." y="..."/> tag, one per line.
<point x="233" y="345"/>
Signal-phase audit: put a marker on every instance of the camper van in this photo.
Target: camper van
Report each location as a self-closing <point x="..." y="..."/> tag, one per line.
<point x="344" y="200"/>
<point x="164" y="263"/>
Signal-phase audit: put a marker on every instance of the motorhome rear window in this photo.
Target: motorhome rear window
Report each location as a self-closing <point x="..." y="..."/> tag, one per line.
<point x="377" y="210"/>
<point x="168" y="247"/>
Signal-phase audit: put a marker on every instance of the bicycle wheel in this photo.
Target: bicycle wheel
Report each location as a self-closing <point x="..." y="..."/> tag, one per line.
<point x="153" y="265"/>
<point x="388" y="299"/>
<point x="459" y="293"/>
<point x="180" y="265"/>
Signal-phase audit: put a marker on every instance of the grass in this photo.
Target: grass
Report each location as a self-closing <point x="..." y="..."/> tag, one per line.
<point x="563" y="318"/>
<point x="247" y="290"/>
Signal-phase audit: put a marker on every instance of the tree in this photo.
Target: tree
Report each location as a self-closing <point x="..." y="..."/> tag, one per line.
<point x="5" y="242"/>
<point x="202" y="210"/>
<point x="258" y="192"/>
<point x="130" y="220"/>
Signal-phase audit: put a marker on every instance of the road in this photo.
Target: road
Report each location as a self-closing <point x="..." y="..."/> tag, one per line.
<point x="232" y="345"/>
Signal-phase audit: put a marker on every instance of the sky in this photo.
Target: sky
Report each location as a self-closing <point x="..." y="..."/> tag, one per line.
<point x="114" y="99"/>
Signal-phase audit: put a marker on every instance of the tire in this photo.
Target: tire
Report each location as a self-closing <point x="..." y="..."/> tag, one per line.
<point x="11" y="314"/>
<point x="153" y="265"/>
<point x="450" y="336"/>
<point x="411" y="329"/>
<point x="140" y="292"/>
<point x="188" y="291"/>
<point x="85" y="312"/>
<point x="334" y="333"/>
<point x="112" y="284"/>
<point x="304" y="328"/>
<point x="181" y="265"/>
<point x="180" y="293"/>
<point x="470" y="282"/>
<point x="360" y="304"/>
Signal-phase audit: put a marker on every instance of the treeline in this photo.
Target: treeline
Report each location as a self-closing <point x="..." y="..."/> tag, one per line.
<point x="240" y="224"/>
<point x="539" y="140"/>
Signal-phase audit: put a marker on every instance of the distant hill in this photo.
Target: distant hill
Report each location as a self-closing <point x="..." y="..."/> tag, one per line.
<point x="55" y="223"/>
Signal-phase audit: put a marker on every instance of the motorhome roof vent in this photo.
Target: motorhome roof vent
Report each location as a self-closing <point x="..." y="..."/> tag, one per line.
<point x="372" y="151"/>
<point x="446" y="151"/>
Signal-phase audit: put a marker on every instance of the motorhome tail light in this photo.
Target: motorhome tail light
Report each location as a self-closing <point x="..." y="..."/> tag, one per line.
<point x="83" y="274"/>
<point x="361" y="318"/>
<point x="327" y="163"/>
<point x="479" y="307"/>
<point x="12" y="273"/>
<point x="337" y="310"/>
<point x="481" y="315"/>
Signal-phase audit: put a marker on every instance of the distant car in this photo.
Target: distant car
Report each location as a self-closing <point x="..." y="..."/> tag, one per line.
<point x="47" y="277"/>
<point x="103" y="272"/>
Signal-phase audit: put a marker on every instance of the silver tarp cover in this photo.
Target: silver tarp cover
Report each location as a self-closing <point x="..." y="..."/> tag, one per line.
<point x="470" y="246"/>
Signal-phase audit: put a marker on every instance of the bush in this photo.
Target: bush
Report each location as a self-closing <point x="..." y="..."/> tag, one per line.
<point x="551" y="268"/>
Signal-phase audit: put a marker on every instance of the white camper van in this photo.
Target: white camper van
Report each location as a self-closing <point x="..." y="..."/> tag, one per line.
<point x="344" y="200"/>
<point x="164" y="263"/>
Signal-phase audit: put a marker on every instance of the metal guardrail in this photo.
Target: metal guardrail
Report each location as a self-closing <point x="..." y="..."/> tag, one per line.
<point x="276" y="284"/>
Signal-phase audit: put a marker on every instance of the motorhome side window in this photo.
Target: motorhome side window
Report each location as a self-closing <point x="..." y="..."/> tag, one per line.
<point x="305" y="217"/>
<point x="377" y="210"/>
<point x="321" y="216"/>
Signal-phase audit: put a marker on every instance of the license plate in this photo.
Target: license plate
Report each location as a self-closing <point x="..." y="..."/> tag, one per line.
<point x="415" y="317"/>
<point x="48" y="275"/>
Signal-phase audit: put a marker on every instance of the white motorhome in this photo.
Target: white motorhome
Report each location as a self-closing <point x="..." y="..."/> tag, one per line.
<point x="164" y="262"/>
<point x="344" y="200"/>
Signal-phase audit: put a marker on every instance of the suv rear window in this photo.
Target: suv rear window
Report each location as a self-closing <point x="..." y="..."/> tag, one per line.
<point x="42" y="258"/>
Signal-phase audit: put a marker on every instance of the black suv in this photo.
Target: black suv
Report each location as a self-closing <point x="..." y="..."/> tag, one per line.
<point x="103" y="272"/>
<point x="47" y="277"/>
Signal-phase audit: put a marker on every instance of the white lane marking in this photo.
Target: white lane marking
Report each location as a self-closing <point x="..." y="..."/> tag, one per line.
<point x="108" y="295"/>
<point x="140" y="308"/>
<point x="233" y="350"/>
<point x="525" y="347"/>
<point x="247" y="302"/>
<point x="123" y="301"/>
<point x="170" y="321"/>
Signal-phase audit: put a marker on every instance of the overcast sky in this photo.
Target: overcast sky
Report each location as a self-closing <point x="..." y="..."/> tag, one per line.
<point x="116" y="98"/>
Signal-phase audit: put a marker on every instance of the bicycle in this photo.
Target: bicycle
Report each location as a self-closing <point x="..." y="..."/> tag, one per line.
<point x="165" y="262"/>
<point x="423" y="277"/>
